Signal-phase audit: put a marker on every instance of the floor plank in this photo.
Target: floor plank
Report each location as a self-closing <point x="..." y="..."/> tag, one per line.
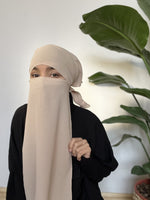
<point x="2" y="193"/>
<point x="107" y="196"/>
<point x="117" y="196"/>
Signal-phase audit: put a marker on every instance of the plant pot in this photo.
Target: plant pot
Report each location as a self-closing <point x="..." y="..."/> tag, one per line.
<point x="139" y="188"/>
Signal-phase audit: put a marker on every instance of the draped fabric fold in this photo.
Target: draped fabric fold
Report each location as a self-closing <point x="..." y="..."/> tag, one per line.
<point x="47" y="163"/>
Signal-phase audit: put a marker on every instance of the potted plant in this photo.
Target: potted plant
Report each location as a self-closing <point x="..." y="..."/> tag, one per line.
<point x="122" y="29"/>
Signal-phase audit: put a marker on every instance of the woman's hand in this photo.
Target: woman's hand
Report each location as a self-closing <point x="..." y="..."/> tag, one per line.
<point x="79" y="147"/>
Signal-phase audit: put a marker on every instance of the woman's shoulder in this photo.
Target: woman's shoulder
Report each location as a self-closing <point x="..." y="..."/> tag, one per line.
<point x="86" y="114"/>
<point x="20" y="111"/>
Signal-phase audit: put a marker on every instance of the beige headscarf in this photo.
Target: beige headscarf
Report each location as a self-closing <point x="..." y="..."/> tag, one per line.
<point x="47" y="163"/>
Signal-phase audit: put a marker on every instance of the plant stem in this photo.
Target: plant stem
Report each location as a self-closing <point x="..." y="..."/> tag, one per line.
<point x="147" y="122"/>
<point x="145" y="150"/>
<point x="136" y="100"/>
<point x="147" y="133"/>
<point x="134" y="96"/>
<point x="145" y="62"/>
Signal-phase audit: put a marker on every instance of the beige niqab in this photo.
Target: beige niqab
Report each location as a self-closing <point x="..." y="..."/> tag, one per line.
<point x="47" y="163"/>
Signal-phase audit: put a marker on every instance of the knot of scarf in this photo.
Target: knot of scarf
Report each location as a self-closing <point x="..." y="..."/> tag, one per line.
<point x="78" y="98"/>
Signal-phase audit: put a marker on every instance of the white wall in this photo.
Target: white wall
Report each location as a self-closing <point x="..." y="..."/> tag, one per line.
<point x="26" y="25"/>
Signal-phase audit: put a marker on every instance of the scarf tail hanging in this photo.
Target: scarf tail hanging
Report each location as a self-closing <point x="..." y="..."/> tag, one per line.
<point x="78" y="98"/>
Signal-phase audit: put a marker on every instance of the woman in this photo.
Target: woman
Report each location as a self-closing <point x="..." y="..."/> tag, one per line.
<point x="57" y="150"/>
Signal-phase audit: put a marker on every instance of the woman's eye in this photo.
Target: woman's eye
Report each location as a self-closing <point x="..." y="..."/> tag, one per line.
<point x="35" y="75"/>
<point x="54" y="75"/>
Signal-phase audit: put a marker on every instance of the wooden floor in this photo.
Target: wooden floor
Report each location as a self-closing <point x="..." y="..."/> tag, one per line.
<point x="107" y="196"/>
<point x="2" y="193"/>
<point x="112" y="196"/>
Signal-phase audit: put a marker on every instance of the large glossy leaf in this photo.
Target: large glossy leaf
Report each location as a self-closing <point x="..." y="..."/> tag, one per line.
<point x="117" y="27"/>
<point x="126" y="119"/>
<point x="140" y="91"/>
<point x="145" y="5"/>
<point x="126" y="136"/>
<point x="100" y="78"/>
<point x="138" y="170"/>
<point x="137" y="112"/>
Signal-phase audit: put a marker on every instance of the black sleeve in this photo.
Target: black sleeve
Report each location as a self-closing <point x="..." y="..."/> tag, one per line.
<point x="15" y="188"/>
<point x="102" y="161"/>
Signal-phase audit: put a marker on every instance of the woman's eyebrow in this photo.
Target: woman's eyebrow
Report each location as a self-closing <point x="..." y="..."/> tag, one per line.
<point x="49" y="68"/>
<point x="35" y="69"/>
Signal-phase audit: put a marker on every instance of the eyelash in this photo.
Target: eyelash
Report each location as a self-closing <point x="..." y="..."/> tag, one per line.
<point x="54" y="75"/>
<point x="35" y="75"/>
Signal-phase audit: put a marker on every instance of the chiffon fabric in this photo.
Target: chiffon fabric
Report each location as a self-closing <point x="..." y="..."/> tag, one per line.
<point x="47" y="163"/>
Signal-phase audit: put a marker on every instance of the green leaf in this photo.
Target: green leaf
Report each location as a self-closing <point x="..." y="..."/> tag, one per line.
<point x="100" y="78"/>
<point x="145" y="6"/>
<point x="140" y="91"/>
<point x="117" y="27"/>
<point x="126" y="136"/>
<point x="146" y="167"/>
<point x="138" y="170"/>
<point x="126" y="119"/>
<point x="137" y="112"/>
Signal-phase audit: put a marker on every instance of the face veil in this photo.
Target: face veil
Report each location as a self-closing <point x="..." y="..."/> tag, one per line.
<point x="47" y="163"/>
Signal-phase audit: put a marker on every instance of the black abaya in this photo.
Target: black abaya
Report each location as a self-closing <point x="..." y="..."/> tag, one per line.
<point x="86" y="173"/>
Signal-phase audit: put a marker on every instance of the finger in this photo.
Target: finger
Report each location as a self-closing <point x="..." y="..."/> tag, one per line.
<point x="81" y="153"/>
<point x="70" y="145"/>
<point x="74" y="155"/>
<point x="73" y="140"/>
<point x="77" y="144"/>
<point x="84" y="152"/>
<point x="80" y="148"/>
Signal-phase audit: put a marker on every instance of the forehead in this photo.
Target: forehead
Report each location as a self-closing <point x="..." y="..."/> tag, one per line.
<point x="42" y="67"/>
